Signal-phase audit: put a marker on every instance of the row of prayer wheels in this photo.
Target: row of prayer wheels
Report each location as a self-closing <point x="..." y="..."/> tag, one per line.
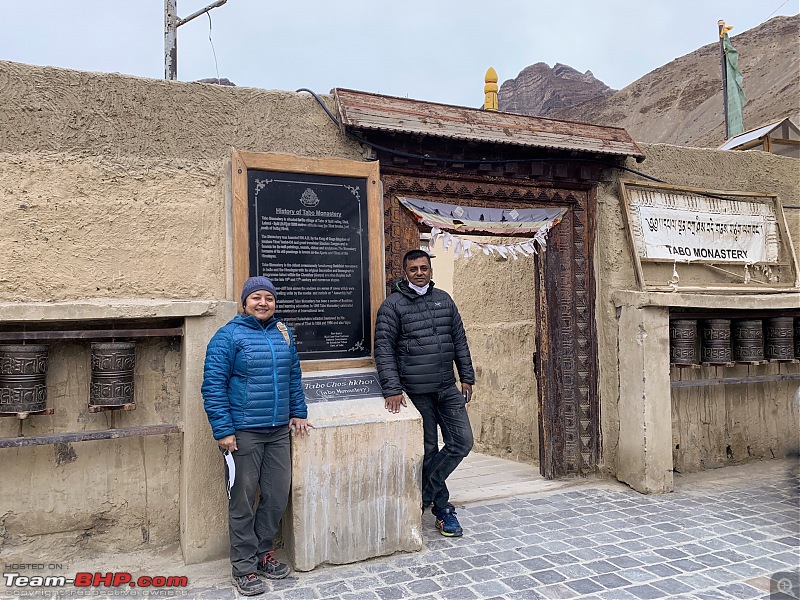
<point x="23" y="374"/>
<point x="726" y="341"/>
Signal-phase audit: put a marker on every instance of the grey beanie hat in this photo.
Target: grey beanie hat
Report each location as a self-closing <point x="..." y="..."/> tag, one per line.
<point x="256" y="284"/>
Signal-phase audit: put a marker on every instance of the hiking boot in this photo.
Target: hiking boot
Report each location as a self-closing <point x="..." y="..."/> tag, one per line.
<point x="271" y="568"/>
<point x="446" y="521"/>
<point x="249" y="585"/>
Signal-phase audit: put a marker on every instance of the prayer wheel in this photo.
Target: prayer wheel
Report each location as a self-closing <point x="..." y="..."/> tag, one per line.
<point x="112" y="373"/>
<point x="748" y="338"/>
<point x="779" y="339"/>
<point x="23" y="371"/>
<point x="683" y="341"/>
<point x="797" y="338"/>
<point x="716" y="342"/>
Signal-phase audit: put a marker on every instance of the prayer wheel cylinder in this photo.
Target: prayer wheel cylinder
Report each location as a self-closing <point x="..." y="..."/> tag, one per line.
<point x="683" y="341"/>
<point x="716" y="342"/>
<point x="778" y="343"/>
<point x="23" y="373"/>
<point x="112" y="373"/>
<point x="797" y="338"/>
<point x="748" y="338"/>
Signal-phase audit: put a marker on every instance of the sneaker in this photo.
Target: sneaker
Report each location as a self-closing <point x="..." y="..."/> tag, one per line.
<point x="249" y="585"/>
<point x="271" y="568"/>
<point x="446" y="521"/>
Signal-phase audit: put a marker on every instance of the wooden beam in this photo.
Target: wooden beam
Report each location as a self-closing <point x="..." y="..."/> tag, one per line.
<point x="733" y="380"/>
<point x="89" y="334"/>
<point x="88" y="436"/>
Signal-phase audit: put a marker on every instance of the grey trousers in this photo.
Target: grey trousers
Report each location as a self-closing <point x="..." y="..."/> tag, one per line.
<point x="262" y="460"/>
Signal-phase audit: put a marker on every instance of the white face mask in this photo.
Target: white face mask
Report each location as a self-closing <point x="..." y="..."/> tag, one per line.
<point x="420" y="290"/>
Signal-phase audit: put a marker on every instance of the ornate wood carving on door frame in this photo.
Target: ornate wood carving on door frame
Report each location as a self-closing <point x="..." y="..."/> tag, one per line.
<point x="566" y="364"/>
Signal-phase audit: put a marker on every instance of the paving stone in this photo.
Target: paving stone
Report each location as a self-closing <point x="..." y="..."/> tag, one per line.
<point x="696" y="581"/>
<point x="362" y="595"/>
<point x="576" y="571"/>
<point x="686" y="565"/>
<point x="453" y="566"/>
<point x="509" y="569"/>
<point x="586" y="554"/>
<point x="601" y="566"/>
<point x="508" y="556"/>
<point x="741" y="590"/>
<point x="392" y="592"/>
<point x="520" y="582"/>
<point x="671" y="586"/>
<point x="490" y="588"/>
<point x="624" y="561"/>
<point x="460" y="593"/>
<point x="670" y="553"/>
<point x="584" y="586"/>
<point x="483" y="574"/>
<point x="454" y="580"/>
<point x="549" y="576"/>
<point x="635" y="575"/>
<point x="481" y="560"/>
<point x="426" y="571"/>
<point x="610" y="580"/>
<point x="333" y="589"/>
<point x="393" y="577"/>
<point x="536" y="564"/>
<point x="557" y="591"/>
<point x="767" y="563"/>
<point x="423" y="586"/>
<point x="360" y="583"/>
<point x="646" y="591"/>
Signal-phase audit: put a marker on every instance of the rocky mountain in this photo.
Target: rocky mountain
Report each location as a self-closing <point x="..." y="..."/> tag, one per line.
<point x="541" y="91"/>
<point x="681" y="102"/>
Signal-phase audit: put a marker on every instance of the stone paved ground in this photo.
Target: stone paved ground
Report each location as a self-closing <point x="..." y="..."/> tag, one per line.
<point x="722" y="534"/>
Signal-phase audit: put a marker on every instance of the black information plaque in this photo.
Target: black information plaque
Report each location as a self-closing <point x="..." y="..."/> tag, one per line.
<point x="330" y="388"/>
<point x="308" y="235"/>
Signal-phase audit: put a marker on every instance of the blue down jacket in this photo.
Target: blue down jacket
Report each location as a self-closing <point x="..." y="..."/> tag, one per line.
<point x="251" y="377"/>
<point x="417" y="340"/>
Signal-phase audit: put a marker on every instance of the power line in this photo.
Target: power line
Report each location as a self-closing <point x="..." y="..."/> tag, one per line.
<point x="777" y="9"/>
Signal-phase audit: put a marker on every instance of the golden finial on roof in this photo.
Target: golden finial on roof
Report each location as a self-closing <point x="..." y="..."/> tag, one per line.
<point x="490" y="90"/>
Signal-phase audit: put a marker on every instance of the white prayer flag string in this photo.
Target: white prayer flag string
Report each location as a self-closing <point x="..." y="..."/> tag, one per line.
<point x="464" y="248"/>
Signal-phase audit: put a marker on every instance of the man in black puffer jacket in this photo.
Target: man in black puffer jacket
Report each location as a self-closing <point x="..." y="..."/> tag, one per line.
<point x="418" y="337"/>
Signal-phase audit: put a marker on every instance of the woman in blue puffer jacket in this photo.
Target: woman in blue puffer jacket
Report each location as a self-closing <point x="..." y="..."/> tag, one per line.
<point x="253" y="396"/>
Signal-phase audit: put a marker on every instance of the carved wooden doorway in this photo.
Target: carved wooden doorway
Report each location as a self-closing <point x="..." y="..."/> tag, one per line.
<point x="566" y="347"/>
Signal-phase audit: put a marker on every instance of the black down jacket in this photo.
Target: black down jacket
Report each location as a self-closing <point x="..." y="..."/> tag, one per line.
<point x="417" y="339"/>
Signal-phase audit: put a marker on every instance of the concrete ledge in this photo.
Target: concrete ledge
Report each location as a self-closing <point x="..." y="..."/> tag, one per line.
<point x="709" y="300"/>
<point x="107" y="308"/>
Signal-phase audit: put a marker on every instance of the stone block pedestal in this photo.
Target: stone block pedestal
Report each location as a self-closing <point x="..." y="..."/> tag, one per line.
<point x="355" y="484"/>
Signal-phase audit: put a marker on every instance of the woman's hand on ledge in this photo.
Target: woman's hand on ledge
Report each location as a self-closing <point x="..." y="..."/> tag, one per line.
<point x="300" y="426"/>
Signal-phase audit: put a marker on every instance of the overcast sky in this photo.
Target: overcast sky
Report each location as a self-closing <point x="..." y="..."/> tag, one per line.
<point x="434" y="50"/>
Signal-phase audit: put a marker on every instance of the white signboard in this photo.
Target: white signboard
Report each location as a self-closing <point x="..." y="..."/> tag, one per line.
<point x="703" y="236"/>
<point x="685" y="227"/>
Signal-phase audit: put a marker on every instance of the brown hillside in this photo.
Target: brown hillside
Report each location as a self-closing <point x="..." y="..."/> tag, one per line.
<point x="681" y="102"/>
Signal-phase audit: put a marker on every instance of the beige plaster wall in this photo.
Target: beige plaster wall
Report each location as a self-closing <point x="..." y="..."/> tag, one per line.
<point x="761" y="417"/>
<point x="496" y="299"/>
<point x="117" y="187"/>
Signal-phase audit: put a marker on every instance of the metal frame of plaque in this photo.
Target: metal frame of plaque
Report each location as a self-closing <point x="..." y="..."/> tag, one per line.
<point x="313" y="226"/>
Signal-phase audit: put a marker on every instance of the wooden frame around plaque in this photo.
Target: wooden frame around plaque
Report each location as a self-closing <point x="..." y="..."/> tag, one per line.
<point x="241" y="162"/>
<point x="787" y="257"/>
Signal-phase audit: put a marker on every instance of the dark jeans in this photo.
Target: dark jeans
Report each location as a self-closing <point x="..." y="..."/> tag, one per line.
<point x="447" y="411"/>
<point x="262" y="459"/>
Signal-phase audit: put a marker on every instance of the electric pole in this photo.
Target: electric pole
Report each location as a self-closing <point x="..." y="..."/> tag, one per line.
<point x="171" y="24"/>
